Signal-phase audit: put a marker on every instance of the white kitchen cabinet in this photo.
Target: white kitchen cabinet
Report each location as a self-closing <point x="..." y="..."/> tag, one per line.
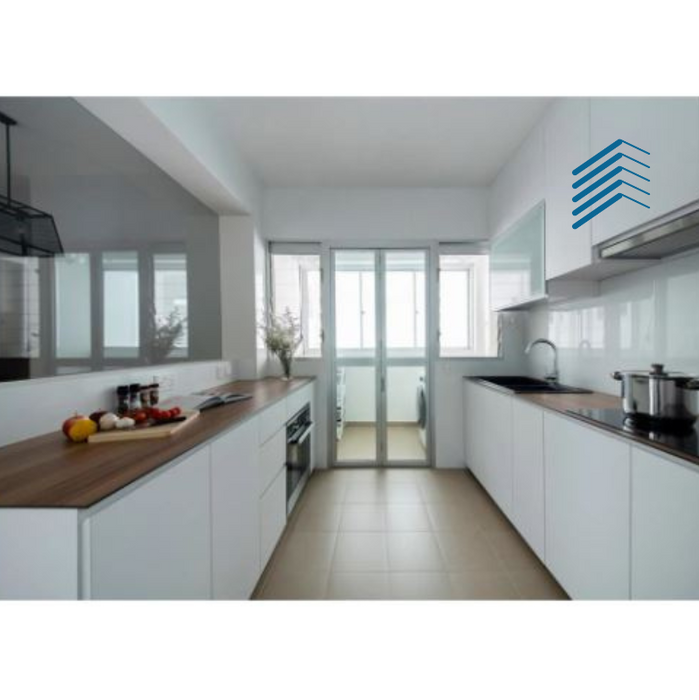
<point x="519" y="185"/>
<point x="235" y="513"/>
<point x="528" y="474"/>
<point x="516" y="259"/>
<point x="664" y="528"/>
<point x="272" y="459"/>
<point x="587" y="487"/>
<point x="567" y="145"/>
<point x="154" y="543"/>
<point x="472" y="429"/>
<point x="272" y="516"/>
<point x="666" y="127"/>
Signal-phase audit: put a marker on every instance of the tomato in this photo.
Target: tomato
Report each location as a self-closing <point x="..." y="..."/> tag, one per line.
<point x="176" y="411"/>
<point x="140" y="417"/>
<point x="156" y="413"/>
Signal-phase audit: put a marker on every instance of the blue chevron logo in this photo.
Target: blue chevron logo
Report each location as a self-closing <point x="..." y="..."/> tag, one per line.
<point x="605" y="178"/>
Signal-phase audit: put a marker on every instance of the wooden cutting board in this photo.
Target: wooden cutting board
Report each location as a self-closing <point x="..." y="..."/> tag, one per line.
<point x="151" y="432"/>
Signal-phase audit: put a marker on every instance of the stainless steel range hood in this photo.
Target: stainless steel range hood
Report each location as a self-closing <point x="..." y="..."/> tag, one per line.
<point x="672" y="236"/>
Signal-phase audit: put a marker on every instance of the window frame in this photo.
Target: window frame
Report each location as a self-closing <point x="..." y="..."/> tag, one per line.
<point x="466" y="249"/>
<point x="300" y="248"/>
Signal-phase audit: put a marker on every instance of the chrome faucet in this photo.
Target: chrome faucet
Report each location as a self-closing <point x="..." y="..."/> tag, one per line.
<point x="553" y="375"/>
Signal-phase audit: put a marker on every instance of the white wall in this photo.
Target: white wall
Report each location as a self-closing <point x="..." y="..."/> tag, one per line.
<point x="380" y="214"/>
<point x="640" y="317"/>
<point x="36" y="406"/>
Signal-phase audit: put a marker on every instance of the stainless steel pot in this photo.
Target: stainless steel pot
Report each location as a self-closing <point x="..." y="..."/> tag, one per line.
<point x="658" y="397"/>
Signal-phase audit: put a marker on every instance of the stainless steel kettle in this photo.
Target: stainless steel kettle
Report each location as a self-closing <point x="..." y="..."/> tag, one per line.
<point x="659" y="398"/>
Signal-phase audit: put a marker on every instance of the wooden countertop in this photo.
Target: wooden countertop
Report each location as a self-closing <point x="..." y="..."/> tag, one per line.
<point x="50" y="472"/>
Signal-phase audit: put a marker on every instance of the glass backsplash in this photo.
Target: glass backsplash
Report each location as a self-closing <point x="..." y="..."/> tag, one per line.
<point x="141" y="253"/>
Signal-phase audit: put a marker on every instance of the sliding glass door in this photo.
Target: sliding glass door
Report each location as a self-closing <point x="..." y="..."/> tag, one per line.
<point x="380" y="357"/>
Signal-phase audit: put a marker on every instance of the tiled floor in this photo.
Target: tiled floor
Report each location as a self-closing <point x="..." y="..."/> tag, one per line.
<point x="359" y="443"/>
<point x="411" y="534"/>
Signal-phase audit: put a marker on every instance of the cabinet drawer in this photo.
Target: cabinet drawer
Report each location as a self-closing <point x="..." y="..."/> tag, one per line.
<point x="272" y="517"/>
<point x="271" y="420"/>
<point x="272" y="459"/>
<point x="298" y="400"/>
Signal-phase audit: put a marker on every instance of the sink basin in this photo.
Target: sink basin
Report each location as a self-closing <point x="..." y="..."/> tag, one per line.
<point x="528" y="385"/>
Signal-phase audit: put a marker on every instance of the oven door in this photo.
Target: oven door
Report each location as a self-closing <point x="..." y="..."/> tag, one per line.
<point x="298" y="463"/>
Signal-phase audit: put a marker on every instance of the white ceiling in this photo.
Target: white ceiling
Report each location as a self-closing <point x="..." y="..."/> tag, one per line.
<point x="372" y="142"/>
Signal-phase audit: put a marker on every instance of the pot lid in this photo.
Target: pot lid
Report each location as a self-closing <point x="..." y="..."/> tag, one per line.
<point x="656" y="371"/>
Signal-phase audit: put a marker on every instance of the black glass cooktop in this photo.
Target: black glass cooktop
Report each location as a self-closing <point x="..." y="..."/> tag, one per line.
<point x="683" y="441"/>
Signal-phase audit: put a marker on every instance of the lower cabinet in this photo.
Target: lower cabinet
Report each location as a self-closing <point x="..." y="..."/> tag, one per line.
<point x="272" y="516"/>
<point x="587" y="477"/>
<point x="154" y="543"/>
<point x="664" y="528"/>
<point x="528" y="474"/>
<point x="488" y="441"/>
<point x="235" y="513"/>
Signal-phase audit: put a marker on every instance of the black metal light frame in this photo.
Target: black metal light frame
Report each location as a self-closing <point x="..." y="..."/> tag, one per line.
<point x="24" y="230"/>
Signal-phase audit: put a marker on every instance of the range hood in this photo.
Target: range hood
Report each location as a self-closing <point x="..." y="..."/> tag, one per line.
<point x="668" y="238"/>
<point x="24" y="230"/>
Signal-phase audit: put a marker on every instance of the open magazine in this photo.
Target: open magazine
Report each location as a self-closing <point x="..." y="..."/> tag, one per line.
<point x="202" y="402"/>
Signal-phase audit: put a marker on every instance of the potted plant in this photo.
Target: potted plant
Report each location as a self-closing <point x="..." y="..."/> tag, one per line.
<point x="163" y="333"/>
<point x="282" y="336"/>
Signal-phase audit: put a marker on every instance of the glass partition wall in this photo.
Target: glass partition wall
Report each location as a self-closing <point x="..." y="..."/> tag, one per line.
<point x="380" y="357"/>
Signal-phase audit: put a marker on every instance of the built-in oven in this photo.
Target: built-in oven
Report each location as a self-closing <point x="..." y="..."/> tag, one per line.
<point x="299" y="435"/>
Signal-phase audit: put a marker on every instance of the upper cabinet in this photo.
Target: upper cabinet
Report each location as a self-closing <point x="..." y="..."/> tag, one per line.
<point x="517" y="262"/>
<point x="567" y="145"/>
<point x="519" y="185"/>
<point x="668" y="128"/>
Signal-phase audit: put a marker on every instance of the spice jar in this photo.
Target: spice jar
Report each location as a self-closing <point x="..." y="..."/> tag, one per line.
<point x="122" y="400"/>
<point x="154" y="394"/>
<point x="134" y="398"/>
<point x="145" y="397"/>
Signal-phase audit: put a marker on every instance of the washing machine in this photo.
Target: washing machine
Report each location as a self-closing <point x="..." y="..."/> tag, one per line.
<point x="422" y="410"/>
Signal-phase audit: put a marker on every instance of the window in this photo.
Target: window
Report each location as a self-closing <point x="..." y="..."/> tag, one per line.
<point x="73" y="306"/>
<point x="121" y="304"/>
<point x="170" y="295"/>
<point x="467" y="327"/>
<point x="296" y="287"/>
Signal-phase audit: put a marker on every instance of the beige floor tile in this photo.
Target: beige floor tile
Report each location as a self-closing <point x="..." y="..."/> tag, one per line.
<point x="454" y="517"/>
<point x="413" y="551"/>
<point x="323" y="491"/>
<point x="358" y="443"/>
<point x="360" y="552"/>
<point x="303" y="551"/>
<point x="491" y="517"/>
<point x="468" y="551"/>
<point x="537" y="584"/>
<point x="512" y="550"/>
<point x="359" y="586"/>
<point x="317" y="518"/>
<point x="363" y="517"/>
<point x="365" y="493"/>
<point x="407" y="518"/>
<point x="297" y="585"/>
<point x="420" y="586"/>
<point x="404" y="493"/>
<point x="403" y="442"/>
<point x="482" y="585"/>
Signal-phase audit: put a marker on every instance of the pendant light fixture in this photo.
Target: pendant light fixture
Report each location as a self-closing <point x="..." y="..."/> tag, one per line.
<point x="24" y="230"/>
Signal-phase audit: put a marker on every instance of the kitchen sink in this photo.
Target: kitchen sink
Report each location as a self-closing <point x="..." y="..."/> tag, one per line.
<point x="528" y="385"/>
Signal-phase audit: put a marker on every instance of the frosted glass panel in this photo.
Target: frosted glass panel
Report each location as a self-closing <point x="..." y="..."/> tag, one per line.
<point x="517" y="262"/>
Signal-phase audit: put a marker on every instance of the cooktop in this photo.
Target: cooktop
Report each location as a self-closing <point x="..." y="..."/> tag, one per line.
<point x="682" y="441"/>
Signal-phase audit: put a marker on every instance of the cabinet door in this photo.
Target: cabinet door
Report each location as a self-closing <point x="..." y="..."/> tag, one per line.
<point x="587" y="478"/>
<point x="567" y="138"/>
<point x="272" y="517"/>
<point x="473" y="434"/>
<point x="155" y="542"/>
<point x="272" y="460"/>
<point x="666" y="127"/>
<point x="496" y="446"/>
<point x="517" y="262"/>
<point x="664" y="528"/>
<point x="235" y="513"/>
<point x="528" y="473"/>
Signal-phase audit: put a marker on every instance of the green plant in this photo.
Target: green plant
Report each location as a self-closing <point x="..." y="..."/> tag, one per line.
<point x="282" y="335"/>
<point x="163" y="334"/>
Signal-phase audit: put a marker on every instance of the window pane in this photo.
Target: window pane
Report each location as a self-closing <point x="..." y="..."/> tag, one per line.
<point x="405" y="303"/>
<point x="73" y="306"/>
<point x="121" y="312"/>
<point x="467" y="327"/>
<point x="355" y="315"/>
<point x="170" y="278"/>
<point x="296" y="288"/>
<point x="19" y="315"/>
